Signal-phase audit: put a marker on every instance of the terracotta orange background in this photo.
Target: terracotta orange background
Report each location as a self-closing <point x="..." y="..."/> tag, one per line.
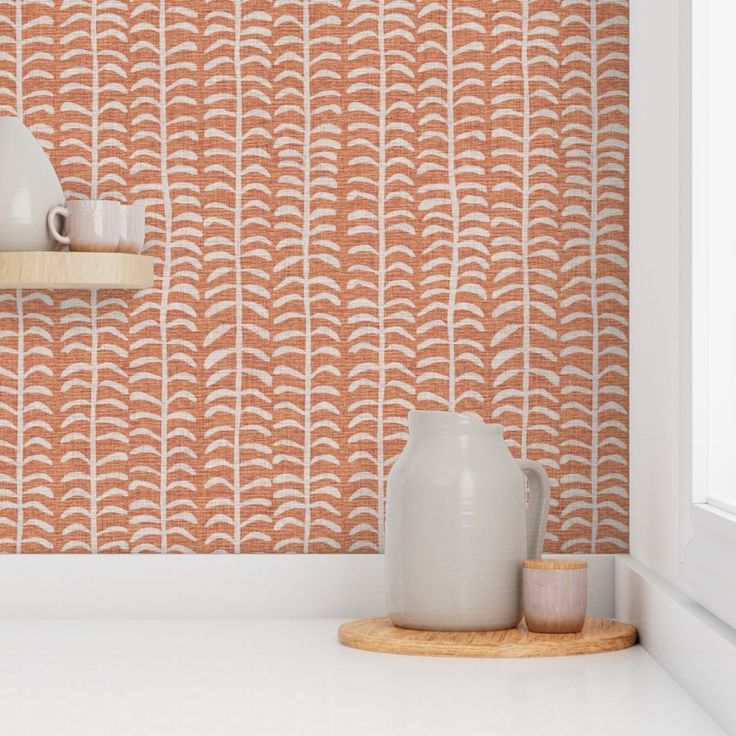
<point x="357" y="207"/>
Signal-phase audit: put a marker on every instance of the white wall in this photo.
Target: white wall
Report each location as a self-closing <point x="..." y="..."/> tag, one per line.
<point x="659" y="122"/>
<point x="347" y="586"/>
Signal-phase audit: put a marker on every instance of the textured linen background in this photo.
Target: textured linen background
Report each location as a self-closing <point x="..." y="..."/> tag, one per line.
<point x="357" y="207"/>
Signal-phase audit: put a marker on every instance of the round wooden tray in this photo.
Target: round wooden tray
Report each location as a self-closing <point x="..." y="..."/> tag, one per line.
<point x="380" y="635"/>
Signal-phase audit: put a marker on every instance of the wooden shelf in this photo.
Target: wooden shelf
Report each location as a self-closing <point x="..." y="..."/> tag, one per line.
<point x="66" y="270"/>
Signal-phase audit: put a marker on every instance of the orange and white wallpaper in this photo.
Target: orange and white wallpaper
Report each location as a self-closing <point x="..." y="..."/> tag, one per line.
<point x="357" y="207"/>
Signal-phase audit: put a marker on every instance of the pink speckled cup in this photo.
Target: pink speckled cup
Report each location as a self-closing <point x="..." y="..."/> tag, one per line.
<point x="555" y="595"/>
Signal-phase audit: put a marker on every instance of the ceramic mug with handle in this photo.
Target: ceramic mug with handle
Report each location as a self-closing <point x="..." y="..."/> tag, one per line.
<point x="92" y="225"/>
<point x="132" y="228"/>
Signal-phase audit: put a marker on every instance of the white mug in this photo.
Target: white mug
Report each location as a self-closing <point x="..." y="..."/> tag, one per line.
<point x="92" y="225"/>
<point x="132" y="228"/>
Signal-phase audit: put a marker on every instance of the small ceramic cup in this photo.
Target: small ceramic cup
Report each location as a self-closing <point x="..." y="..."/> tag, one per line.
<point x="132" y="228"/>
<point x="92" y="225"/>
<point x="555" y="595"/>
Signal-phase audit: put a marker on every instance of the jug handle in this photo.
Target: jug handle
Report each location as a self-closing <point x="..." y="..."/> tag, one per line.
<point x="536" y="511"/>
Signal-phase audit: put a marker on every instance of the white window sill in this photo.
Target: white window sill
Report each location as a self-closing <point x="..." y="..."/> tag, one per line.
<point x="695" y="647"/>
<point x="723" y="506"/>
<point x="712" y="518"/>
<point x="708" y="567"/>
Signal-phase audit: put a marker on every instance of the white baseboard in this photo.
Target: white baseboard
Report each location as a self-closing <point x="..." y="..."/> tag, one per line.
<point x="190" y="586"/>
<point x="696" y="648"/>
<point x="215" y="586"/>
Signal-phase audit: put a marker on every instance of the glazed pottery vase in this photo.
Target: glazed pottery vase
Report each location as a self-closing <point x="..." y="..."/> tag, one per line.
<point x="458" y="526"/>
<point x="29" y="188"/>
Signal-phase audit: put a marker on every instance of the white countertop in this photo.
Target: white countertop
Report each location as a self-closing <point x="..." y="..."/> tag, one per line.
<point x="264" y="677"/>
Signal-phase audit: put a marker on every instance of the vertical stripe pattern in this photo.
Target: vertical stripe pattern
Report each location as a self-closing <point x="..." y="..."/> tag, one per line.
<point x="356" y="208"/>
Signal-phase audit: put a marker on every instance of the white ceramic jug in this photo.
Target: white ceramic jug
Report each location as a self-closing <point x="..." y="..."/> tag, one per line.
<point x="458" y="526"/>
<point x="29" y="188"/>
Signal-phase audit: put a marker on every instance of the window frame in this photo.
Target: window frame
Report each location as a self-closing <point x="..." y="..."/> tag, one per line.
<point x="708" y="530"/>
